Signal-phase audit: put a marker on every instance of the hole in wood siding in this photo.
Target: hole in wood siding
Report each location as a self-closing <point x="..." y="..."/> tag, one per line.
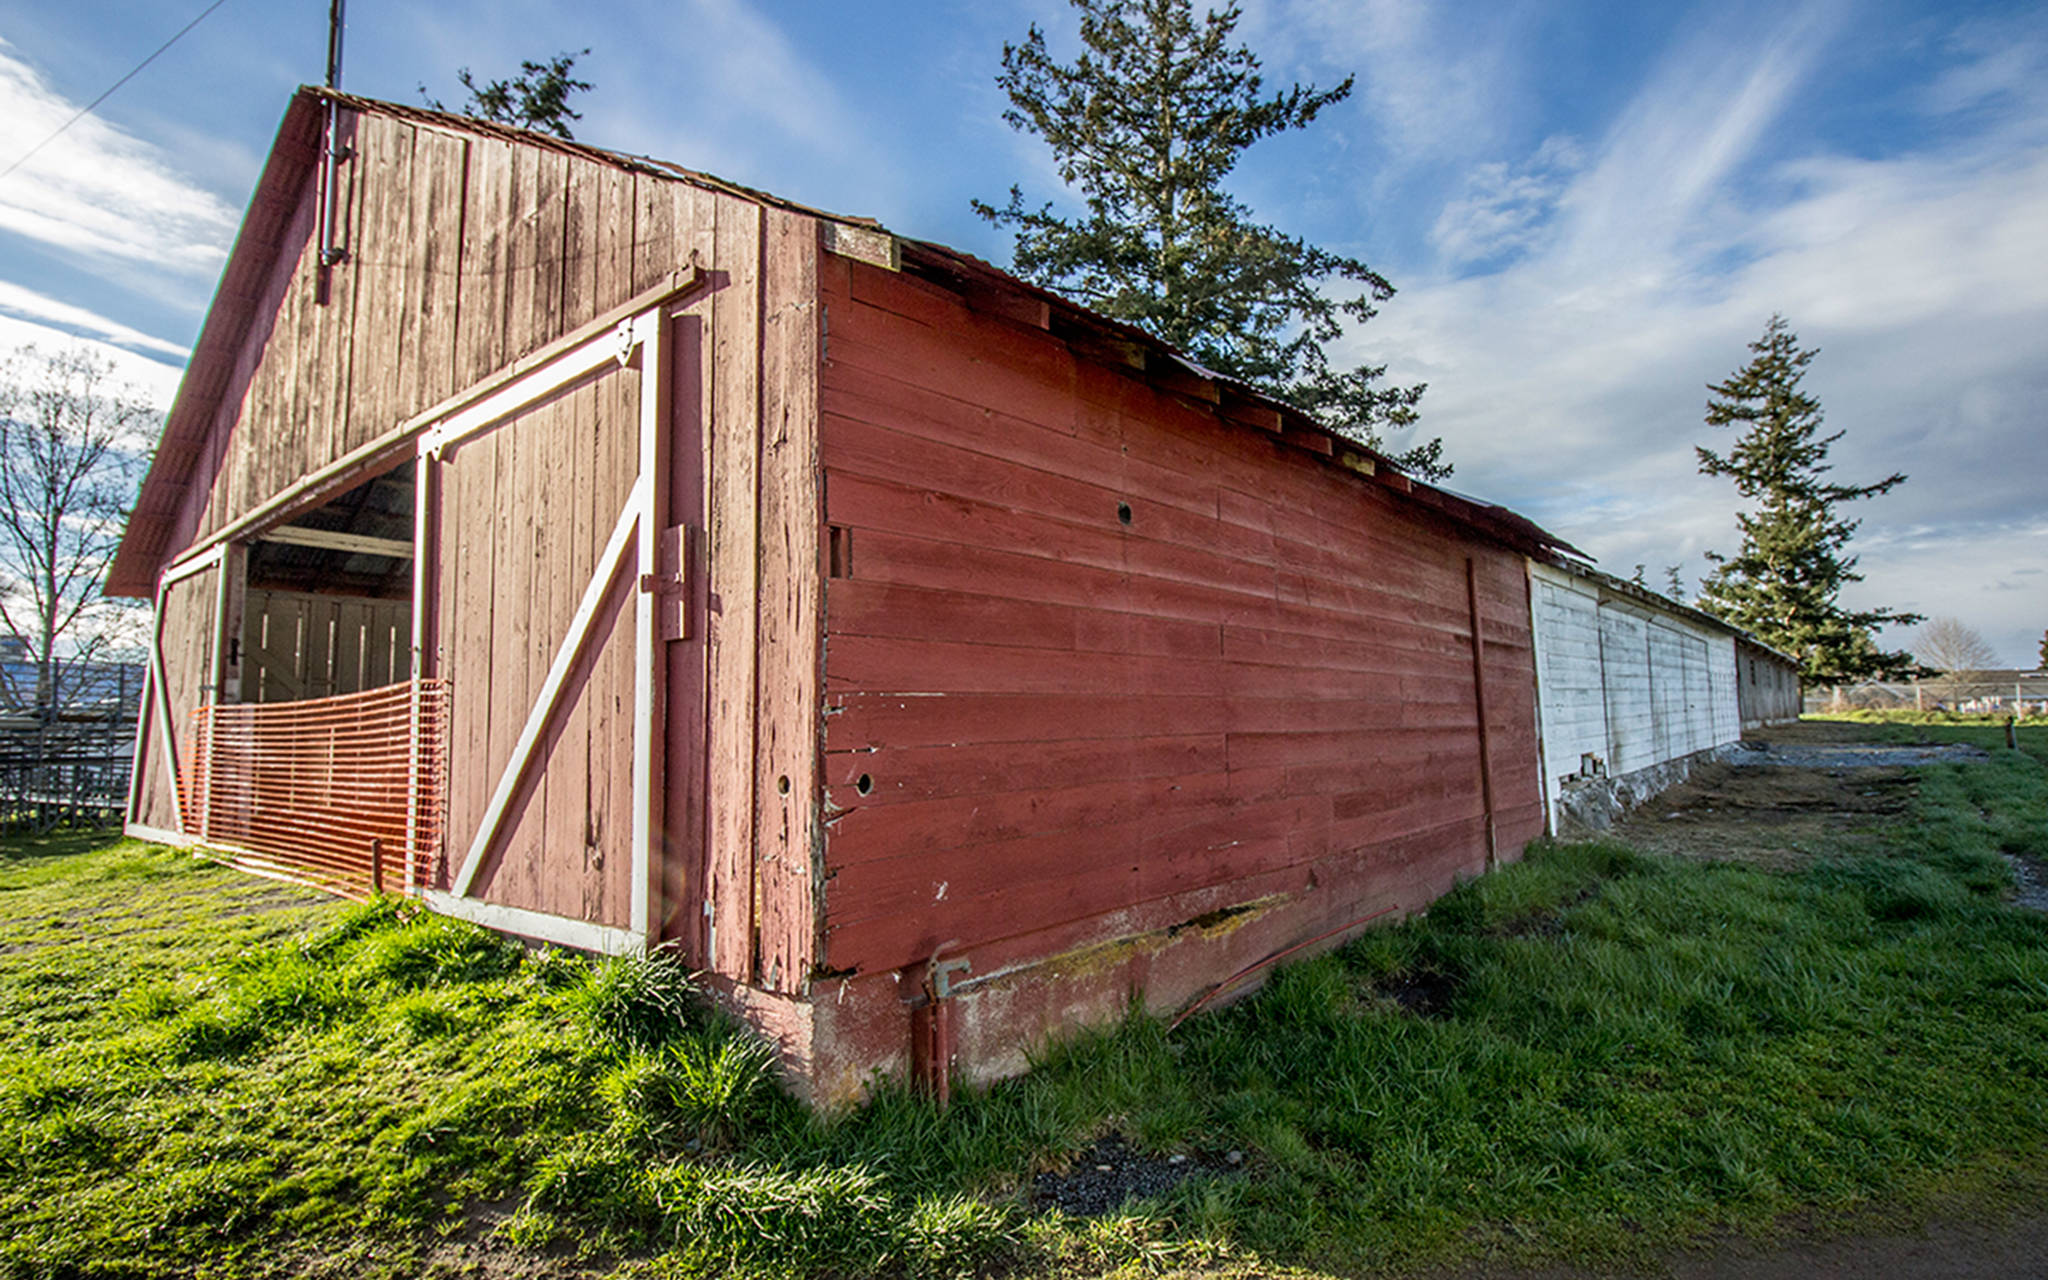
<point x="839" y="542"/>
<point x="1123" y="512"/>
<point x="782" y="784"/>
<point x="864" y="784"/>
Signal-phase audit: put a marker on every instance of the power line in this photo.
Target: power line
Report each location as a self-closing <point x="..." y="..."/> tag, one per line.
<point x="86" y="110"/>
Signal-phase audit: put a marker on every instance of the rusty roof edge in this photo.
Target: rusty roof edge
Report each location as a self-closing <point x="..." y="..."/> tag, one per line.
<point x="569" y="146"/>
<point x="136" y="561"/>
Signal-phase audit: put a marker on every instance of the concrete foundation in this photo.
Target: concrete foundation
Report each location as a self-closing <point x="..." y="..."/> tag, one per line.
<point x="1588" y="806"/>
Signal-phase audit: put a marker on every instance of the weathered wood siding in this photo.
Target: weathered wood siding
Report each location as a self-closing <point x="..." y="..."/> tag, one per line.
<point x="1623" y="682"/>
<point x="465" y="253"/>
<point x="1092" y="654"/>
<point x="298" y="645"/>
<point x="1767" y="686"/>
<point x="524" y="510"/>
<point x="187" y="642"/>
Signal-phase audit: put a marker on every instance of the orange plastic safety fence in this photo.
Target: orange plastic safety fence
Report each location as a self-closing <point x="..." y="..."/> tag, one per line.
<point x="340" y="791"/>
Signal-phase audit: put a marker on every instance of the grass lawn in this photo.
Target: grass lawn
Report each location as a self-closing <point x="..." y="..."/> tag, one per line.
<point x="204" y="1073"/>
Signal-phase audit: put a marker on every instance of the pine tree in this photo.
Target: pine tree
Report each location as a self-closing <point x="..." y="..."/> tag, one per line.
<point x="1148" y="123"/>
<point x="536" y="98"/>
<point x="1784" y="582"/>
<point x="2044" y="651"/>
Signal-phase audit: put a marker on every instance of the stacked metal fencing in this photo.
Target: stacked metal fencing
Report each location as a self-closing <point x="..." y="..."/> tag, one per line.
<point x="67" y="738"/>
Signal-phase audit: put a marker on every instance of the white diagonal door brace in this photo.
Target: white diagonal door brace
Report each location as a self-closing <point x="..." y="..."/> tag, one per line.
<point x="640" y="339"/>
<point x="551" y="689"/>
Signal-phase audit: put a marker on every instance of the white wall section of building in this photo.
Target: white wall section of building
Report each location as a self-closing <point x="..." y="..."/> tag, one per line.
<point x="1622" y="684"/>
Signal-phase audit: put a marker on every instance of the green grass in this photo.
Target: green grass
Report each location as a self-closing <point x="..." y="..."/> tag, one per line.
<point x="1984" y="731"/>
<point x="209" y="1074"/>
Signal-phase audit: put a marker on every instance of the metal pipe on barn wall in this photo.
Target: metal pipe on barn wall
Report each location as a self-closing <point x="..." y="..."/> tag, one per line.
<point x="931" y="1027"/>
<point x="330" y="253"/>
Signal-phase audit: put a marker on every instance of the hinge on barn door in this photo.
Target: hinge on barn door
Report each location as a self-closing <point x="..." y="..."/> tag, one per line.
<point x="670" y="583"/>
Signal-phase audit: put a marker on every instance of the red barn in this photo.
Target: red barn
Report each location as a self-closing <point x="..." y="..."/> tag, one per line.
<point x="619" y="557"/>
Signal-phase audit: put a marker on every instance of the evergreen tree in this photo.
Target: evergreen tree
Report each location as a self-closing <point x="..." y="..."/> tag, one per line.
<point x="2044" y="651"/>
<point x="1148" y="123"/>
<point x="1784" y="582"/>
<point x="536" y="98"/>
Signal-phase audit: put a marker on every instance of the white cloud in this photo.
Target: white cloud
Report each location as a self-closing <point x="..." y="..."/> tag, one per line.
<point x="157" y="382"/>
<point x="97" y="192"/>
<point x="1570" y="382"/>
<point x="748" y="105"/>
<point x="1504" y="209"/>
<point x="30" y="305"/>
<point x="1667" y="162"/>
<point x="1432" y="82"/>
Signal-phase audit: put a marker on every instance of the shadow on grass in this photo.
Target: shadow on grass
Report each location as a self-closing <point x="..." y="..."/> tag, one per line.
<point x="23" y="848"/>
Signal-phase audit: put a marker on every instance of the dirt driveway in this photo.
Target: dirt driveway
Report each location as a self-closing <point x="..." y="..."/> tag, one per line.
<point x="1788" y="795"/>
<point x="2017" y="1250"/>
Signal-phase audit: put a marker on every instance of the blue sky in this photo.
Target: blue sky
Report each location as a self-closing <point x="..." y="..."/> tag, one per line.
<point x="1589" y="209"/>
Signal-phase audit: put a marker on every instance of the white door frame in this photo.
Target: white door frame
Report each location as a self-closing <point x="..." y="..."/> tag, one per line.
<point x="642" y="343"/>
<point x="156" y="705"/>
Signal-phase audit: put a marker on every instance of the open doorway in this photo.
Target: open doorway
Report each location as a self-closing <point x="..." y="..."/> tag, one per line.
<point x="321" y="757"/>
<point x="327" y="601"/>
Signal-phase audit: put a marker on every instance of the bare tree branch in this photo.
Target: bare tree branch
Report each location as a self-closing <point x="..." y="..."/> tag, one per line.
<point x="73" y="444"/>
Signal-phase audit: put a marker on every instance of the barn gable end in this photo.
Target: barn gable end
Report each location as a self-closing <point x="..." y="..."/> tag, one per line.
<point x="467" y="250"/>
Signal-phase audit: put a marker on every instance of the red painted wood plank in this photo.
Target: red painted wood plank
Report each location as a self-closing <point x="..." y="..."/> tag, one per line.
<point x="897" y="775"/>
<point x="1167" y="851"/>
<point x="734" y="547"/>
<point x="860" y="721"/>
<point x="857" y="607"/>
<point x="787" y="800"/>
<point x="981" y="360"/>
<point x="1387" y="745"/>
<point x="436" y="221"/>
<point x="872" y="504"/>
<point x="893" y="939"/>
<point x="876" y="832"/>
<point x="865" y="664"/>
<point x="877" y="399"/>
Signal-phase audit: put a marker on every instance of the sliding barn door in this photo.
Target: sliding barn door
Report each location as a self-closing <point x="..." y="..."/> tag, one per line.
<point x="182" y="671"/>
<point x="550" y="573"/>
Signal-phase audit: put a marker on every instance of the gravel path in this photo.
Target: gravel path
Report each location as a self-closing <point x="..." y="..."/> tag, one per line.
<point x="1846" y="755"/>
<point x="2030" y="879"/>
<point x="1112" y="1171"/>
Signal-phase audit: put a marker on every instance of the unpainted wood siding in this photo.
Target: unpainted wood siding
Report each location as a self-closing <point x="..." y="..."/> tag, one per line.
<point x="299" y="644"/>
<point x="467" y="252"/>
<point x="1093" y="654"/>
<point x="1768" y="686"/>
<point x="186" y="640"/>
<point x="1623" y="682"/>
